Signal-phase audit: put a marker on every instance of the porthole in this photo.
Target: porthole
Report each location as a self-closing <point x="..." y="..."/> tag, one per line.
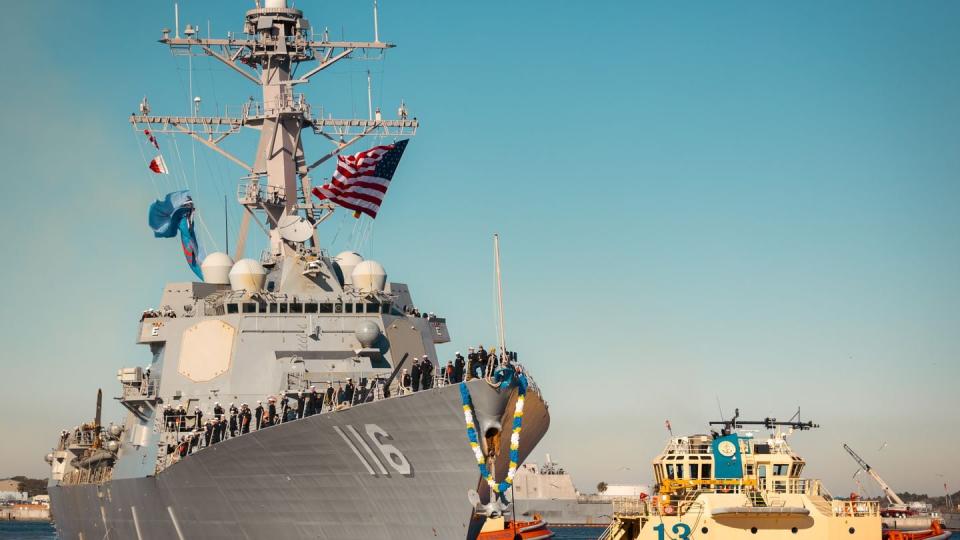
<point x="704" y="530"/>
<point x="851" y="530"/>
<point x="753" y="530"/>
<point x="793" y="530"/>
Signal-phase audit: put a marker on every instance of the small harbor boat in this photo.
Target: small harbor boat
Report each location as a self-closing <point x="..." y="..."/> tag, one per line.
<point x="501" y="529"/>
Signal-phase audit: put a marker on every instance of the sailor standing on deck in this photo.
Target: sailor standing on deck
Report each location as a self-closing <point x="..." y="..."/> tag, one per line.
<point x="284" y="408"/>
<point x="426" y="370"/>
<point x="245" y="418"/>
<point x="312" y="402"/>
<point x="217" y="432"/>
<point x="472" y="361"/>
<point x="349" y="391"/>
<point x="483" y="357"/>
<point x="258" y="414"/>
<point x="217" y="411"/>
<point x="405" y="381"/>
<point x="301" y="404"/>
<point x="415" y="373"/>
<point x="328" y="397"/>
<point x="198" y="418"/>
<point x="234" y="425"/>
<point x="271" y="411"/>
<point x="207" y="433"/>
<point x="458" y="365"/>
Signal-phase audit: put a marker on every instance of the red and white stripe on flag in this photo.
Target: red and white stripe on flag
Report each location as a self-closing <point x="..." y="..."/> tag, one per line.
<point x="361" y="180"/>
<point x="158" y="165"/>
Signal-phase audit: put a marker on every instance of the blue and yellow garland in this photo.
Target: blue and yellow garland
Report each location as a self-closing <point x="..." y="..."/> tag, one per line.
<point x="514" y="439"/>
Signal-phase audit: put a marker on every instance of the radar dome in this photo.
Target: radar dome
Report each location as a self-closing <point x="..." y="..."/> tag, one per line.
<point x="347" y="261"/>
<point x="247" y="275"/>
<point x="369" y="276"/>
<point x="367" y="333"/>
<point x="216" y="268"/>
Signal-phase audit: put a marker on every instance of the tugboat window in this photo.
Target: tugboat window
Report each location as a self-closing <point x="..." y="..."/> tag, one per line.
<point x="694" y="471"/>
<point x="359" y="308"/>
<point x="348" y="308"/>
<point x="670" y="471"/>
<point x="310" y="308"/>
<point x="296" y="308"/>
<point x="232" y="308"/>
<point x="326" y="308"/>
<point x="384" y="308"/>
<point x="706" y="470"/>
<point x="249" y="307"/>
<point x="283" y="307"/>
<point x="273" y="307"/>
<point x="780" y="469"/>
<point x="263" y="307"/>
<point x="373" y="308"/>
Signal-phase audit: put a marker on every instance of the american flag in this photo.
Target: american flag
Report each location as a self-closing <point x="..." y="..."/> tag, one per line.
<point x="361" y="180"/>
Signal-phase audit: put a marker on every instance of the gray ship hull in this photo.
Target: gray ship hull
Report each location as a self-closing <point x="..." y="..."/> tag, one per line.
<point x="565" y="511"/>
<point x="329" y="476"/>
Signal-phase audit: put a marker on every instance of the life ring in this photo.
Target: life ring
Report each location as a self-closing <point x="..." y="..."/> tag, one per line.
<point x="668" y="510"/>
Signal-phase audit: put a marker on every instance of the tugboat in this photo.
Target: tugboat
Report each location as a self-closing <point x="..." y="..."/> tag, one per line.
<point x="902" y="521"/>
<point x="733" y="484"/>
<point x="277" y="400"/>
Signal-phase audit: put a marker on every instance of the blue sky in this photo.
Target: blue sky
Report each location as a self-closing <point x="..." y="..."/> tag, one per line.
<point x="751" y="201"/>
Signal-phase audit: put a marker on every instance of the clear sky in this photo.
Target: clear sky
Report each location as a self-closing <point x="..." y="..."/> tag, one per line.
<point x="756" y="202"/>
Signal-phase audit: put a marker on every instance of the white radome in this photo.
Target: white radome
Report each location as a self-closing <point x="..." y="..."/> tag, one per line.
<point x="247" y="275"/>
<point x="369" y="276"/>
<point x="216" y="268"/>
<point x="347" y="261"/>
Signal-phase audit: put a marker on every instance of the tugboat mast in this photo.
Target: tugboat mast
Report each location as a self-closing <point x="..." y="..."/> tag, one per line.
<point x="277" y="40"/>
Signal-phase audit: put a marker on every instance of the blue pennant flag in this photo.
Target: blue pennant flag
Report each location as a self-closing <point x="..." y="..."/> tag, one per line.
<point x="175" y="214"/>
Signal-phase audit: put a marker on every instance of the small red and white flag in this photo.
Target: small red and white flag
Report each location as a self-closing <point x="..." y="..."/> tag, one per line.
<point x="151" y="138"/>
<point x="159" y="166"/>
<point x="361" y="180"/>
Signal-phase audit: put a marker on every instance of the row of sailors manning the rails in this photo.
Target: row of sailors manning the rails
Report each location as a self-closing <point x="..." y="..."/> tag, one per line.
<point x="235" y="421"/>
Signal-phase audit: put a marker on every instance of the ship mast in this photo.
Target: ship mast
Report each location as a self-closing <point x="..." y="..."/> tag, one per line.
<point x="277" y="39"/>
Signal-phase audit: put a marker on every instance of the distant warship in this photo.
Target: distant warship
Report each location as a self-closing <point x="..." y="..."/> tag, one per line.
<point x="377" y="462"/>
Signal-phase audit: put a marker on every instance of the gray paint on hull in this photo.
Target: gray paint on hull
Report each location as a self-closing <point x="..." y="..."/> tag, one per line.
<point x="565" y="511"/>
<point x="301" y="480"/>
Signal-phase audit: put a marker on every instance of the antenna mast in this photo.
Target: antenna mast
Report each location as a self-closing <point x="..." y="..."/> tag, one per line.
<point x="276" y="185"/>
<point x="496" y="258"/>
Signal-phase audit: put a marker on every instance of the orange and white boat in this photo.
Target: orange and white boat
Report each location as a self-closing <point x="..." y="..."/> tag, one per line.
<point x="500" y="529"/>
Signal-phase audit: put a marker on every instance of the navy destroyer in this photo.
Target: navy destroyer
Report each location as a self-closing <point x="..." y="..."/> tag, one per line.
<point x="278" y="401"/>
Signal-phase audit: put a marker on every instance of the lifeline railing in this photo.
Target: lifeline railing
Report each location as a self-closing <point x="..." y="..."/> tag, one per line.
<point x="371" y="392"/>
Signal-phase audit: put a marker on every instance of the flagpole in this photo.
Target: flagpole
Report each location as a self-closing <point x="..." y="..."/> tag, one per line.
<point x="496" y="256"/>
<point x="226" y="228"/>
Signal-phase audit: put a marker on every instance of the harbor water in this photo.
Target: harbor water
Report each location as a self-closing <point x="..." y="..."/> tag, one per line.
<point x="34" y="530"/>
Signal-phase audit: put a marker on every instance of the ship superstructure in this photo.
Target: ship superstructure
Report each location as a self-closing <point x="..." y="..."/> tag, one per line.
<point x="735" y="483"/>
<point x="283" y="331"/>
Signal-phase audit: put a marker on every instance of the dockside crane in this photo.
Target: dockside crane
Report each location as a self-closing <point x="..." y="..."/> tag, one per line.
<point x="891" y="495"/>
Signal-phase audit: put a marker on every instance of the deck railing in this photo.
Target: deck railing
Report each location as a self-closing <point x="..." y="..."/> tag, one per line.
<point x="856" y="508"/>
